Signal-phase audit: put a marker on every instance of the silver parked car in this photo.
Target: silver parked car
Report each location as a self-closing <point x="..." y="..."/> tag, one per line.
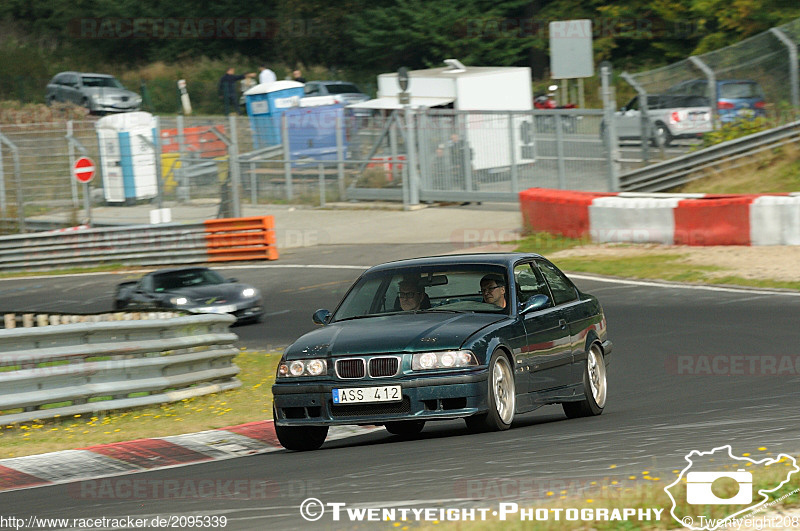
<point x="343" y="91"/>
<point x="100" y="93"/>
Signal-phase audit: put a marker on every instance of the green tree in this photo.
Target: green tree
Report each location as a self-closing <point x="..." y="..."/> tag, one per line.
<point x="725" y="22"/>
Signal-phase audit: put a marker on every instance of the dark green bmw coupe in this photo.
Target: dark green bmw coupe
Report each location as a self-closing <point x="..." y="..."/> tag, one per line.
<point x="482" y="337"/>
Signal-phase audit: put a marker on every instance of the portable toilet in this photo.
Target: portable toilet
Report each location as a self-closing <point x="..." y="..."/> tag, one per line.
<point x="265" y="105"/>
<point x="312" y="128"/>
<point x="127" y="156"/>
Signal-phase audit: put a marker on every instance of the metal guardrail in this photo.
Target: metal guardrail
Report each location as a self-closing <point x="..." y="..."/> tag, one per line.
<point x="215" y="240"/>
<point x="71" y="369"/>
<point x="686" y="168"/>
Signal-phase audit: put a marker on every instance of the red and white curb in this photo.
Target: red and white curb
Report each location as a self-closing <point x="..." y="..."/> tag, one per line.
<point x="142" y="455"/>
<point x="672" y="219"/>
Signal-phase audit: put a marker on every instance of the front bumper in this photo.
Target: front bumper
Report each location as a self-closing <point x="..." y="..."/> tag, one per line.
<point x="428" y="397"/>
<point x="242" y="311"/>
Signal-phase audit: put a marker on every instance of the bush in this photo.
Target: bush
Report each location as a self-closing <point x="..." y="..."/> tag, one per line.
<point x="733" y="130"/>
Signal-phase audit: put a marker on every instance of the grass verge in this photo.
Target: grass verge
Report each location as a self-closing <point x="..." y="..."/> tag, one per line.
<point x="654" y="266"/>
<point x="250" y="402"/>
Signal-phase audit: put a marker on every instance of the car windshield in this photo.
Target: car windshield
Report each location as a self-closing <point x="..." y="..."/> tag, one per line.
<point x="740" y="90"/>
<point x="342" y="88"/>
<point x="101" y="81"/>
<point x="451" y="288"/>
<point x="188" y="278"/>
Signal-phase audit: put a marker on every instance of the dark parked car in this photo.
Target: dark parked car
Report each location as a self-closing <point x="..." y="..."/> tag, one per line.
<point x="194" y="289"/>
<point x="736" y="98"/>
<point x="100" y="93"/>
<point x="377" y="361"/>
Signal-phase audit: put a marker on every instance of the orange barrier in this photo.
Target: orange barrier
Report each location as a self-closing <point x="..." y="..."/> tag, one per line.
<point x="241" y="239"/>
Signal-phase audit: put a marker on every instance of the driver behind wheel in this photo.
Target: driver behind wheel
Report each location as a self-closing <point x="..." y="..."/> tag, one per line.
<point x="412" y="296"/>
<point x="493" y="289"/>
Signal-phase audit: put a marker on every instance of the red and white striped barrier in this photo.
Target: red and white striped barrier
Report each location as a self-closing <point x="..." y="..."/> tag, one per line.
<point x="672" y="219"/>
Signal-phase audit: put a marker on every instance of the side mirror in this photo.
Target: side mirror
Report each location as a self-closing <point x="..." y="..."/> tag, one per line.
<point x="537" y="302"/>
<point x="321" y="317"/>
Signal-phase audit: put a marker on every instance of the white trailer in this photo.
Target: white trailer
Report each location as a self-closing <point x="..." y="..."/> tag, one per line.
<point x="471" y="88"/>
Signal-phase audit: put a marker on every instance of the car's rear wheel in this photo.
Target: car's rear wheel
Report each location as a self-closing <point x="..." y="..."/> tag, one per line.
<point x="501" y="397"/>
<point x="661" y="136"/>
<point x="405" y="428"/>
<point x="594" y="386"/>
<point x="300" y="438"/>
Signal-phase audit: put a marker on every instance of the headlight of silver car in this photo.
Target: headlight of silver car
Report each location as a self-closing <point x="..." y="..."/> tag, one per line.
<point x="248" y="292"/>
<point x="448" y="359"/>
<point x="290" y="369"/>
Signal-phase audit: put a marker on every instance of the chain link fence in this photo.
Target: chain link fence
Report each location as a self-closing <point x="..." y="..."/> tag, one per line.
<point x="770" y="59"/>
<point x="425" y="155"/>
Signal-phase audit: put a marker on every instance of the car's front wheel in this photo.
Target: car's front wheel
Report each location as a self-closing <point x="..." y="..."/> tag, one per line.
<point x="301" y="438"/>
<point x="405" y="428"/>
<point x="501" y="397"/>
<point x="594" y="386"/>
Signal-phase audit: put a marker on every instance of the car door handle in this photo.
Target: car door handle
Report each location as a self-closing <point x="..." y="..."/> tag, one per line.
<point x="562" y="323"/>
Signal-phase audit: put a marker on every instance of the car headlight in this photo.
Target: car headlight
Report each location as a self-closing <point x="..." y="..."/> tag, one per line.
<point x="248" y="292"/>
<point x="178" y="301"/>
<point x="447" y="359"/>
<point x="290" y="369"/>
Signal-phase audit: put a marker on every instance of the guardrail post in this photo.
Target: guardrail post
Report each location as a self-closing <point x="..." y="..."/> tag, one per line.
<point x="562" y="169"/>
<point x="644" y="114"/>
<point x="71" y="151"/>
<point x="321" y="184"/>
<point x="18" y="181"/>
<point x="393" y="152"/>
<point x="183" y="184"/>
<point x="793" y="76"/>
<point x="413" y="196"/>
<point x="609" y="107"/>
<point x="3" y="205"/>
<point x="340" y="155"/>
<point x="233" y="167"/>
<point x="512" y="154"/>
<point x="87" y="202"/>
<point x="287" y="156"/>
<point x="712" y="85"/>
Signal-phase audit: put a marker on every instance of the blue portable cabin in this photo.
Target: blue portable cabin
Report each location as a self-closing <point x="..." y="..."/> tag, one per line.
<point x="265" y="104"/>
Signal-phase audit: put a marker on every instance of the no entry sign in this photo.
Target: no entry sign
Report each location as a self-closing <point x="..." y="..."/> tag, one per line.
<point x="83" y="170"/>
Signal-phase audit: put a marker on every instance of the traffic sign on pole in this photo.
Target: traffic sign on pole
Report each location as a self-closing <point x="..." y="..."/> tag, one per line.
<point x="83" y="169"/>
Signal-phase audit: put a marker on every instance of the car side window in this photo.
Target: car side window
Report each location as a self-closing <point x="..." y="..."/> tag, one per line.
<point x="562" y="289"/>
<point x="311" y="89"/>
<point x="529" y="282"/>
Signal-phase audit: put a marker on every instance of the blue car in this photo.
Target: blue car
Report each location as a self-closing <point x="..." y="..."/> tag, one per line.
<point x="736" y="98"/>
<point x="483" y="337"/>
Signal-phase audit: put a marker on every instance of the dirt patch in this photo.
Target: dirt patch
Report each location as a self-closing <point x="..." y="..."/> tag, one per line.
<point x="778" y="262"/>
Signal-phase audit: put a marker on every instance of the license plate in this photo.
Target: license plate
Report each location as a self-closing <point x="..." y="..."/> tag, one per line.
<point x="361" y="395"/>
<point x="228" y="308"/>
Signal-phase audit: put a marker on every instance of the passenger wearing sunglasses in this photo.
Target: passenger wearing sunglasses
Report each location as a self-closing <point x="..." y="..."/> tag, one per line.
<point x="493" y="289"/>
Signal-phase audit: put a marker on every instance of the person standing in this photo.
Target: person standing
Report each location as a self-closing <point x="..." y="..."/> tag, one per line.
<point x="228" y="90"/>
<point x="297" y="75"/>
<point x="266" y="76"/>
